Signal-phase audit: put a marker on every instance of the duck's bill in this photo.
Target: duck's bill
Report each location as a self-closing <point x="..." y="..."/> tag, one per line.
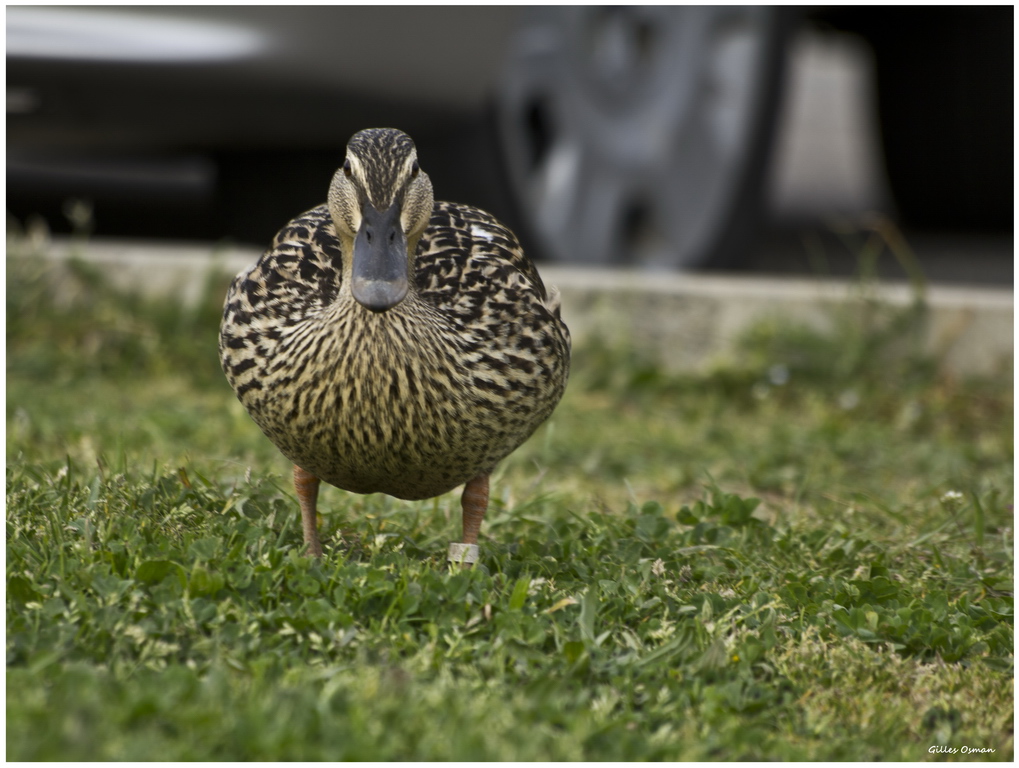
<point x="380" y="279"/>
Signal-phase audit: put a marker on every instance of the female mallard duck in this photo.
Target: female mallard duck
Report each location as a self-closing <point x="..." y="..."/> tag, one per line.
<point x="390" y="343"/>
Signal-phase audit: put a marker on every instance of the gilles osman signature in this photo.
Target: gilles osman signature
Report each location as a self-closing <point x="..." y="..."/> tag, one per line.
<point x="964" y="750"/>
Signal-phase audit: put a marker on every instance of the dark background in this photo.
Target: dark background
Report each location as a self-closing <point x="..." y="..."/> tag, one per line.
<point x="217" y="151"/>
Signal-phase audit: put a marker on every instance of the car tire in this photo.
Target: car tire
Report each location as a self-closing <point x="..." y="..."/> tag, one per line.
<point x="640" y="136"/>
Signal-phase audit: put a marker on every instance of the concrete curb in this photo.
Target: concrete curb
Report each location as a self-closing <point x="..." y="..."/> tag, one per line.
<point x="691" y="321"/>
<point x="683" y="321"/>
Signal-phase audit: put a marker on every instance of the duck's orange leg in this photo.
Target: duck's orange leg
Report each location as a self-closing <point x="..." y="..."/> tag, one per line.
<point x="306" y="485"/>
<point x="474" y="503"/>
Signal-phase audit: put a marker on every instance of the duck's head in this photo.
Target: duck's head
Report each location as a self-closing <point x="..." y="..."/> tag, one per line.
<point x="380" y="201"/>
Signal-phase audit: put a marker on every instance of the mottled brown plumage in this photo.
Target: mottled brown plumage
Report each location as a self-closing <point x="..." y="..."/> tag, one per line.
<point x="374" y="379"/>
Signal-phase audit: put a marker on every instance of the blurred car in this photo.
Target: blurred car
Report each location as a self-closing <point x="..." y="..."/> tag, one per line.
<point x="605" y="135"/>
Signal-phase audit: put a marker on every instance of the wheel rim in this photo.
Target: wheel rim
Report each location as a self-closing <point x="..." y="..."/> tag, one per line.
<point x="627" y="130"/>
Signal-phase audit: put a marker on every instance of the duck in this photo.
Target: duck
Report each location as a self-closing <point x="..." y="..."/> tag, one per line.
<point x="390" y="343"/>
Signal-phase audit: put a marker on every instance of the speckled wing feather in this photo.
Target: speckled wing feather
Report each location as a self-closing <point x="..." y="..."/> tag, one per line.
<point x="412" y="401"/>
<point x="469" y="230"/>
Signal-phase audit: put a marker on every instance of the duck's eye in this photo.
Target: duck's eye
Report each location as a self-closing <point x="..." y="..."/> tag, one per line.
<point x="414" y="169"/>
<point x="346" y="168"/>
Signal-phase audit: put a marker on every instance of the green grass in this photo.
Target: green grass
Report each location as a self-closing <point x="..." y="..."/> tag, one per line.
<point x="807" y="555"/>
